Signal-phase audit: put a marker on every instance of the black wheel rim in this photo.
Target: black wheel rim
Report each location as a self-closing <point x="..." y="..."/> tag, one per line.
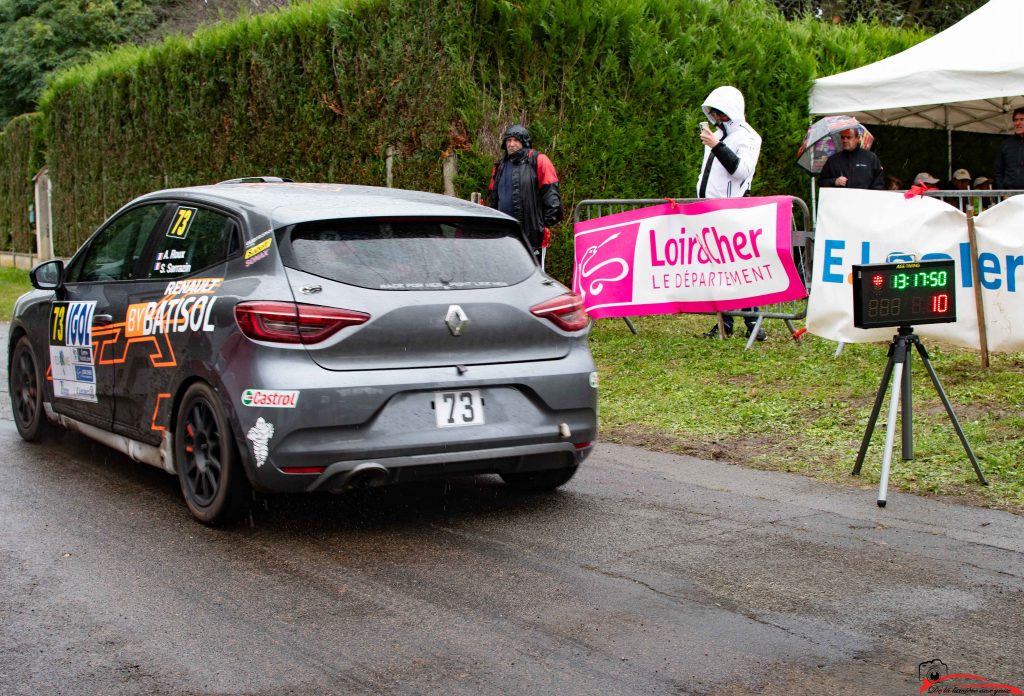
<point x="26" y="390"/>
<point x="202" y="453"/>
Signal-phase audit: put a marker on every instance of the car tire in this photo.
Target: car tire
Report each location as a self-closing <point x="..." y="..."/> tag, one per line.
<point x="209" y="469"/>
<point x="544" y="480"/>
<point x="26" y="386"/>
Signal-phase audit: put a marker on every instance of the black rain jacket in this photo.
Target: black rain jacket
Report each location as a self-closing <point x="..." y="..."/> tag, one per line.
<point x="860" y="167"/>
<point x="536" y="201"/>
<point x="1009" y="167"/>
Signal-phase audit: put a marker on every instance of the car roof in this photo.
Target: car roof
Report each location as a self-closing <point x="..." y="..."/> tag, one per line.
<point x="288" y="203"/>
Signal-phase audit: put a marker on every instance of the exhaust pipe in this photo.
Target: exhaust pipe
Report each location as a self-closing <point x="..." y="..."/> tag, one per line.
<point x="366" y="475"/>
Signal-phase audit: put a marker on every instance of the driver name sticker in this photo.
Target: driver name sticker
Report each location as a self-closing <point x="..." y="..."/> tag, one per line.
<point x="165" y="262"/>
<point x="182" y="221"/>
<point x="71" y="356"/>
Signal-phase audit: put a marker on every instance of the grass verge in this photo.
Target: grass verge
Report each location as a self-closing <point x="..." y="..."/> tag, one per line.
<point x="795" y="406"/>
<point x="13" y="284"/>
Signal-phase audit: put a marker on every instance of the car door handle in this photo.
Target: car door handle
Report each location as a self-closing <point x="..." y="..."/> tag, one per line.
<point x="102" y="319"/>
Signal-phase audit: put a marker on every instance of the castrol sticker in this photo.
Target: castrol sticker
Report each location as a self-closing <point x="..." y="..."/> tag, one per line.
<point x="270" y="398"/>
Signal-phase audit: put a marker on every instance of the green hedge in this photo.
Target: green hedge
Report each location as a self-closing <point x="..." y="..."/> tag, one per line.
<point x="21" y="156"/>
<point x="610" y="89"/>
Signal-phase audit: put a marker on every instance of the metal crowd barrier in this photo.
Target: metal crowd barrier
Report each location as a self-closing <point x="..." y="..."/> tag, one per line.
<point x="977" y="200"/>
<point x="802" y="240"/>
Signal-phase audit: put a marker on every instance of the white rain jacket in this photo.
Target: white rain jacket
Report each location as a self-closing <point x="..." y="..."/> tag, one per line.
<point x="727" y="171"/>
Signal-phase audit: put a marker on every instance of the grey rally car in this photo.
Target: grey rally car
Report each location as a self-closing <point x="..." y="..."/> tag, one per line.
<point x="302" y="337"/>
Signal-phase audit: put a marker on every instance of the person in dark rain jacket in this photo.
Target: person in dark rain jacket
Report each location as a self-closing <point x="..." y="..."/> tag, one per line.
<point x="524" y="184"/>
<point x="1009" y="167"/>
<point x="852" y="166"/>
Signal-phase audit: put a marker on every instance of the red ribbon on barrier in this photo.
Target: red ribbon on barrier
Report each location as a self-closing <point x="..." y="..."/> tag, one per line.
<point x="918" y="190"/>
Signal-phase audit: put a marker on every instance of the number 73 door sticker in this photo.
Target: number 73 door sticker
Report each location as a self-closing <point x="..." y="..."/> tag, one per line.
<point x="71" y="358"/>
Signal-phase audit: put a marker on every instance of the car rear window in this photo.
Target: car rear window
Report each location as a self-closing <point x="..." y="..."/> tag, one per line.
<point x="410" y="254"/>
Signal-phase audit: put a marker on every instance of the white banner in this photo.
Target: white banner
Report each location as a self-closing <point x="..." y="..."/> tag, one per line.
<point x="857" y="227"/>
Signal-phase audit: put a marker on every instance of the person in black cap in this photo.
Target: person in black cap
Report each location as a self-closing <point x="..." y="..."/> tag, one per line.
<point x="524" y="184"/>
<point x="852" y="166"/>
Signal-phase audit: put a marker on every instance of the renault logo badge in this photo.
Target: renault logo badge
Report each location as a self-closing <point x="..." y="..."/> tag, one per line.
<point x="456" y="319"/>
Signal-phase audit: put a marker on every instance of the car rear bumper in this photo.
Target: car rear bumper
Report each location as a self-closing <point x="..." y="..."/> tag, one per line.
<point x="345" y="475"/>
<point x="337" y="422"/>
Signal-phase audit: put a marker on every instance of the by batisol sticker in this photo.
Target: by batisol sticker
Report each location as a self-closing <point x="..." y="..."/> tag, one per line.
<point x="186" y="307"/>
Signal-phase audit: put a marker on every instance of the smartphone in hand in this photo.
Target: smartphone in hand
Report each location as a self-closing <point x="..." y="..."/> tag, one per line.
<point x="704" y="127"/>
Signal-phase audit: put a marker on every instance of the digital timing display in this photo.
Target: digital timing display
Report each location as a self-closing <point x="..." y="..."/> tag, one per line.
<point x="904" y="294"/>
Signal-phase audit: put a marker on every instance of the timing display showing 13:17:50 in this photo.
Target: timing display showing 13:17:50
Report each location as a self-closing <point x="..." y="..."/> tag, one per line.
<point x="919" y="279"/>
<point x="904" y="294"/>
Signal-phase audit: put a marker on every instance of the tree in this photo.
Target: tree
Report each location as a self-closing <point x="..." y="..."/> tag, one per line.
<point x="38" y="36"/>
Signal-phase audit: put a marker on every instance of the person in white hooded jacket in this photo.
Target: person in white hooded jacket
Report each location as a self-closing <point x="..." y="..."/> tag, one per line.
<point x="730" y="150"/>
<point x="730" y="157"/>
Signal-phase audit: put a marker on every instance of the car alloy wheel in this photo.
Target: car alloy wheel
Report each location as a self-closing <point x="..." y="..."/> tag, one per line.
<point x="206" y="458"/>
<point x="26" y="390"/>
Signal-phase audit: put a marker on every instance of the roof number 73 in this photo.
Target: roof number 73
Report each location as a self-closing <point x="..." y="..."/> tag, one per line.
<point x="182" y="221"/>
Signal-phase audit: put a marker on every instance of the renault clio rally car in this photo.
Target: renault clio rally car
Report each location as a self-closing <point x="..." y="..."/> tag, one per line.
<point x="308" y="337"/>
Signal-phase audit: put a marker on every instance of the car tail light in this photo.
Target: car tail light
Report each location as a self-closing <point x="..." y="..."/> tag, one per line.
<point x="566" y="312"/>
<point x="290" y="322"/>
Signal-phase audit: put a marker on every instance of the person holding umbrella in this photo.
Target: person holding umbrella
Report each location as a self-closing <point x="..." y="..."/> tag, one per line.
<point x="852" y="166"/>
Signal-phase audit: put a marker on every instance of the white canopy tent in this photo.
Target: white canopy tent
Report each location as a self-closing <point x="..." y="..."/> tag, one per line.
<point x="966" y="78"/>
<point x="969" y="77"/>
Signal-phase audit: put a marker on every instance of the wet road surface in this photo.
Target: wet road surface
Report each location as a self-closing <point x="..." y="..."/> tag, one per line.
<point x="647" y="574"/>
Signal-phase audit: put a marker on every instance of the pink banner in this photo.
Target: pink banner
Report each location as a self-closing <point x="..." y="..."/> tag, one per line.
<point x="710" y="256"/>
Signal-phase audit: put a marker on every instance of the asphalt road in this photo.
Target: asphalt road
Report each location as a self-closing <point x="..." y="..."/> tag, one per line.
<point x="647" y="574"/>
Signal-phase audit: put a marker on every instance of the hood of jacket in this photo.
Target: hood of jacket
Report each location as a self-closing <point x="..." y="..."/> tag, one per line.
<point x="518" y="132"/>
<point x="728" y="100"/>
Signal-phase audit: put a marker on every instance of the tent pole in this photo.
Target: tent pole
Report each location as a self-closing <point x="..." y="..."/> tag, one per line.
<point x="949" y="145"/>
<point x="814" y="204"/>
<point x="949" y="154"/>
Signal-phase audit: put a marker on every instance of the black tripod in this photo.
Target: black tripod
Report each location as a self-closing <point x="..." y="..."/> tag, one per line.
<point x="899" y="358"/>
